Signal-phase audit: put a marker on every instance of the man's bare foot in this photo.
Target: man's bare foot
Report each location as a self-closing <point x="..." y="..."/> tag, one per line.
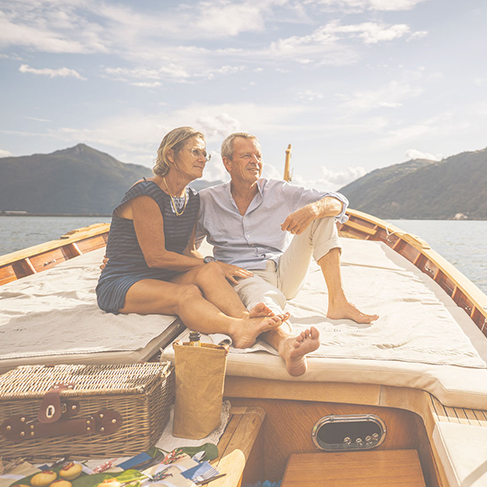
<point x="294" y="350"/>
<point x="347" y="310"/>
<point x="261" y="309"/>
<point x="244" y="333"/>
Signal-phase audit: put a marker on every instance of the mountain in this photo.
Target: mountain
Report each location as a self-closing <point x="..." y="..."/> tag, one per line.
<point x="422" y="189"/>
<point x="78" y="180"/>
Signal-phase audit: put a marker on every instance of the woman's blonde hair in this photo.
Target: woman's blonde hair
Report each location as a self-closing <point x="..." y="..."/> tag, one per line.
<point x="174" y="140"/>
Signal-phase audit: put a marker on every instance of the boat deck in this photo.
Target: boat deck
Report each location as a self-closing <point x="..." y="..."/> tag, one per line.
<point x="453" y="420"/>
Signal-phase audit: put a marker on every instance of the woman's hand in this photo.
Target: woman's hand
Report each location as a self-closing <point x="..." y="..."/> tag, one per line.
<point x="232" y="272"/>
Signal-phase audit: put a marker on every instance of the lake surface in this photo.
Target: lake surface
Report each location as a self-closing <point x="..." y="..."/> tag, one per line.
<point x="462" y="243"/>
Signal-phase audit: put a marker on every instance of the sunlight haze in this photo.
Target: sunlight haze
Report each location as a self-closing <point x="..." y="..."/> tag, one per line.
<point x="353" y="85"/>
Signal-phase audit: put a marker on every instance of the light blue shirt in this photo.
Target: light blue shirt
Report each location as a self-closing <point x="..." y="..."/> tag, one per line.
<point x="250" y="240"/>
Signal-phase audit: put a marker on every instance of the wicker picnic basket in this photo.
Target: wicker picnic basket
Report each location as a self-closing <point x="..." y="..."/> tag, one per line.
<point x="83" y="410"/>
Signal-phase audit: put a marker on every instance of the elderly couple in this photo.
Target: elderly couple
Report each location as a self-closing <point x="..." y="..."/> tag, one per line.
<point x="153" y="265"/>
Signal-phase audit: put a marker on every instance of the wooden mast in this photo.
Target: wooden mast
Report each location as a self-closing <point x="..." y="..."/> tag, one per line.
<point x="287" y="172"/>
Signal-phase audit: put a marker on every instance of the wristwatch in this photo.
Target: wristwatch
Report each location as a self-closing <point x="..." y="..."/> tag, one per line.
<point x="208" y="259"/>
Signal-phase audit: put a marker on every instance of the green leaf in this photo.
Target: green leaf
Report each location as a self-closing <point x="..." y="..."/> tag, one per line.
<point x="210" y="449"/>
<point x="95" y="479"/>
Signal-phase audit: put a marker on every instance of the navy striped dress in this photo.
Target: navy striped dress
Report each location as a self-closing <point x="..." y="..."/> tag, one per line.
<point x="126" y="264"/>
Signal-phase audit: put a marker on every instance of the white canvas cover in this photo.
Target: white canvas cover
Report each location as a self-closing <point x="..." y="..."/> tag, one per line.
<point x="421" y="340"/>
<point x="52" y="317"/>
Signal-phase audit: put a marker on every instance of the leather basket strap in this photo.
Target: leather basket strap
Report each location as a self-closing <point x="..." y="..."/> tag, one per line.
<point x="51" y="410"/>
<point x="20" y="428"/>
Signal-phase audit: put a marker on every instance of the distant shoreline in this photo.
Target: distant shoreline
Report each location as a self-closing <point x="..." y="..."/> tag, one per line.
<point x="70" y="215"/>
<point x="107" y="215"/>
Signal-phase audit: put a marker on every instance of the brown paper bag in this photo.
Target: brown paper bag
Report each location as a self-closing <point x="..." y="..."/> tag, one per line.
<point x="200" y="374"/>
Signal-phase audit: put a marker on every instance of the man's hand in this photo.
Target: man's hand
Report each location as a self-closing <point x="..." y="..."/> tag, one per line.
<point x="231" y="272"/>
<point x="297" y="222"/>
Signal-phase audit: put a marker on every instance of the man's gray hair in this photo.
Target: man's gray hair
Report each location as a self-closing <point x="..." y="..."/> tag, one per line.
<point x="227" y="144"/>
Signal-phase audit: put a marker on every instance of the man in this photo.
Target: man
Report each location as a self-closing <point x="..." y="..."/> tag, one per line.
<point x="250" y="223"/>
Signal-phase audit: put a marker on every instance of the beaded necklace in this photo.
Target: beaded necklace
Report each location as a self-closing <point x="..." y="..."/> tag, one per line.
<point x="172" y="199"/>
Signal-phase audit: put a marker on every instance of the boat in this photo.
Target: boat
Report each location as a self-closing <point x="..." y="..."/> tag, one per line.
<point x="364" y="420"/>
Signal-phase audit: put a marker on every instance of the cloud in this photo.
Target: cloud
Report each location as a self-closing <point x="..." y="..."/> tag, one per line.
<point x="52" y="73"/>
<point x="223" y="18"/>
<point x="5" y="153"/>
<point x="309" y="95"/>
<point x="331" y="180"/>
<point x="217" y="126"/>
<point x="176" y="42"/>
<point x="37" y="119"/>
<point x="369" y="32"/>
<point x="177" y="68"/>
<point x="393" y="4"/>
<point x="396" y="135"/>
<point x="215" y="170"/>
<point x="363" y="5"/>
<point x="135" y="137"/>
<point x="416" y="154"/>
<point x="145" y="84"/>
<point x="43" y="26"/>
<point x="391" y="95"/>
<point x="329" y="44"/>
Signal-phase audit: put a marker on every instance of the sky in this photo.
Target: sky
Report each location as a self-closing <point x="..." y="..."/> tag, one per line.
<point x="353" y="85"/>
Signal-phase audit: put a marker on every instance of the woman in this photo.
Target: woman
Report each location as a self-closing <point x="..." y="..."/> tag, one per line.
<point x="152" y="264"/>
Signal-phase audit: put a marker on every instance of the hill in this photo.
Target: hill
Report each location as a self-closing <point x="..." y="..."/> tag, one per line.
<point x="423" y="189"/>
<point x="78" y="180"/>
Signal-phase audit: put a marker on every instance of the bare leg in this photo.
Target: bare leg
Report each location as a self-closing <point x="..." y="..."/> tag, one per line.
<point x="218" y="291"/>
<point x="293" y="349"/>
<point x="338" y="305"/>
<point x="152" y="296"/>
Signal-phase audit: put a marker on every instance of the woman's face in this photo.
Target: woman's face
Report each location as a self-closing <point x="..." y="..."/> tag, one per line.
<point x="191" y="159"/>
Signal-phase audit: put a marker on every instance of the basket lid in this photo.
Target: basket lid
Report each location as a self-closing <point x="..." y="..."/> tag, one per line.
<point x="33" y="381"/>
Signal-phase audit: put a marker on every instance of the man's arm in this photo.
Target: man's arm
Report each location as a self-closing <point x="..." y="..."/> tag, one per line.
<point x="297" y="222"/>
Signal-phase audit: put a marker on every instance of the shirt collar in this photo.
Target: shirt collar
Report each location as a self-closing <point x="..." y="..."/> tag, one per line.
<point x="257" y="200"/>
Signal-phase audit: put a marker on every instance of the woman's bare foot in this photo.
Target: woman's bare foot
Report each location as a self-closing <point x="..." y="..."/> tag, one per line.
<point x="347" y="310"/>
<point x="244" y="333"/>
<point x="294" y="350"/>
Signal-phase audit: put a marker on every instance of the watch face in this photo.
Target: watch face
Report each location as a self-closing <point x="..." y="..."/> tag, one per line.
<point x="209" y="259"/>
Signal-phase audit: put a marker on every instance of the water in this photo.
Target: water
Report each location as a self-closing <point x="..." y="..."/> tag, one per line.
<point x="20" y="232"/>
<point x="462" y="243"/>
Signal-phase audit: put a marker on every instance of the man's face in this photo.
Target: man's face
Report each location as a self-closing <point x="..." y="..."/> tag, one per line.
<point x="246" y="163"/>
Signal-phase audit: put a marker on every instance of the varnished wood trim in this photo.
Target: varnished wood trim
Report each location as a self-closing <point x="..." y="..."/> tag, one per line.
<point x="236" y="444"/>
<point x="464" y="293"/>
<point x="68" y="238"/>
<point x="41" y="257"/>
<point x="361" y="228"/>
<point x="367" y="469"/>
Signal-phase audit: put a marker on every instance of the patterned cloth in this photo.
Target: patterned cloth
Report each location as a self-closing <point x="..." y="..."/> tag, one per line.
<point x="126" y="264"/>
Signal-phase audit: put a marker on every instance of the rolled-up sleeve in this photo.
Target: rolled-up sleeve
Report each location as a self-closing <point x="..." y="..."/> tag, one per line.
<point x="297" y="197"/>
<point x="341" y="217"/>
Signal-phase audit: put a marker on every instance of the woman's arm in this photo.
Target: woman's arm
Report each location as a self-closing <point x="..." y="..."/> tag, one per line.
<point x="191" y="247"/>
<point x="149" y="227"/>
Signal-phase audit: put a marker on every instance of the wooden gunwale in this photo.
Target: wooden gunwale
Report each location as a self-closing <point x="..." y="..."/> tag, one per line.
<point x="463" y="292"/>
<point x="360" y="225"/>
<point x="41" y="257"/>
